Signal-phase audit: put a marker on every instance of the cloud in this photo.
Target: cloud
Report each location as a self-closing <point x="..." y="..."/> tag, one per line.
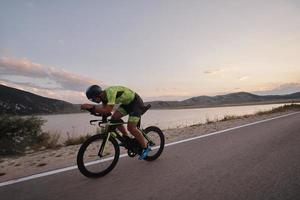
<point x="70" y="81"/>
<point x="28" y="84"/>
<point x="23" y="67"/>
<point x="213" y="71"/>
<point x="66" y="95"/>
<point x="50" y="82"/>
<point x="166" y="98"/>
<point x="62" y="78"/>
<point x="243" y="78"/>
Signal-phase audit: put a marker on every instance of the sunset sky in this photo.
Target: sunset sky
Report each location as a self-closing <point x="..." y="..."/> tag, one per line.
<point x="166" y="50"/>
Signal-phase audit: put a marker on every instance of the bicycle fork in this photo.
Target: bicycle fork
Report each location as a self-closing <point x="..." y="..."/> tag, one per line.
<point x="104" y="144"/>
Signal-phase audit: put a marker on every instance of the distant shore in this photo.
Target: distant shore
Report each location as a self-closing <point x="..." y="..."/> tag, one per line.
<point x="190" y="107"/>
<point x="173" y="107"/>
<point x="228" y="105"/>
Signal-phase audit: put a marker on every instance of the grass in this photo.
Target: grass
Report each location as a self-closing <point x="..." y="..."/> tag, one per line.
<point x="284" y="108"/>
<point x="209" y="121"/>
<point x="50" y="141"/>
<point x="233" y="117"/>
<point x="76" y="140"/>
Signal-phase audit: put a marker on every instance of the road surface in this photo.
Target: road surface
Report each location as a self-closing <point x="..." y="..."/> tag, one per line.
<point x="261" y="161"/>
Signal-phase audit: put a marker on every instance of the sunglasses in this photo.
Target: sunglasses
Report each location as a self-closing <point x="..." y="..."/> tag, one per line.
<point x="95" y="99"/>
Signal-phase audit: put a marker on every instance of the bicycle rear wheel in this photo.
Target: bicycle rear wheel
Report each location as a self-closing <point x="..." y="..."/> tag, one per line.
<point x="90" y="163"/>
<point x="158" y="139"/>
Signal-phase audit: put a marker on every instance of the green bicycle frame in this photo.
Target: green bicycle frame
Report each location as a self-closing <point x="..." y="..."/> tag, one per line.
<point x="116" y="135"/>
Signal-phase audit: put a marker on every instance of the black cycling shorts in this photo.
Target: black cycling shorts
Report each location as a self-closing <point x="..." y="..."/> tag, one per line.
<point x="134" y="109"/>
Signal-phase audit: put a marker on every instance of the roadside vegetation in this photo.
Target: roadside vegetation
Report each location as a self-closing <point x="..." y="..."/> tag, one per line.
<point x="21" y="135"/>
<point x="76" y="140"/>
<point x="284" y="108"/>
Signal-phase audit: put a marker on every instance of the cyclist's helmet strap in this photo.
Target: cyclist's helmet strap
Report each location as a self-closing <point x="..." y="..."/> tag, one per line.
<point x="92" y="92"/>
<point x="104" y="98"/>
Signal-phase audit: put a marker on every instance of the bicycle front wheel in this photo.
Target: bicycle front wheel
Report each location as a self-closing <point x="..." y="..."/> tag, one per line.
<point x="89" y="161"/>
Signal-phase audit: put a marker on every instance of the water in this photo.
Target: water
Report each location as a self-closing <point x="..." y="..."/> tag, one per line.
<point x="78" y="124"/>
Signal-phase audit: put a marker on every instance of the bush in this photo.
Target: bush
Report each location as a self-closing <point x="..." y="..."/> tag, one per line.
<point x="76" y="140"/>
<point x="48" y="141"/>
<point x="18" y="133"/>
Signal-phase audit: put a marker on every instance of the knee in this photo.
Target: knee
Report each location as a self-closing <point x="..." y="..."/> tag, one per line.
<point x="117" y="115"/>
<point x="131" y="128"/>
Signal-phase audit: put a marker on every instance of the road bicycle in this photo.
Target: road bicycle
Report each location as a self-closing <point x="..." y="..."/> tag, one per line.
<point x="99" y="154"/>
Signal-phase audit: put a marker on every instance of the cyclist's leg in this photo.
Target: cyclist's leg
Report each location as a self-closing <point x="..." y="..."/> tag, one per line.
<point x="134" y="118"/>
<point x="118" y="114"/>
<point x="132" y="128"/>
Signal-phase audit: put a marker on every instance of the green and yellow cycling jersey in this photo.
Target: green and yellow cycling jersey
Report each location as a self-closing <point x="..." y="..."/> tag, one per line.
<point x="119" y="95"/>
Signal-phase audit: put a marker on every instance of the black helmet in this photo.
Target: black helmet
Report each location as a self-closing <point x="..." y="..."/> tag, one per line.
<point x="92" y="92"/>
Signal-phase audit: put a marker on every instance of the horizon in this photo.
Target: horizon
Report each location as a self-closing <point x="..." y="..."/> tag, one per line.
<point x="162" y="50"/>
<point x="168" y="100"/>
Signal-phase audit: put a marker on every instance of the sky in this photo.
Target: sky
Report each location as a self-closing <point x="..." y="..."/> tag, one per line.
<point x="163" y="50"/>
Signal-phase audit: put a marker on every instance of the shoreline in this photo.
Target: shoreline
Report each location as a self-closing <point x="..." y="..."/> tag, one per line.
<point x="288" y="101"/>
<point x="50" y="159"/>
<point x="230" y="105"/>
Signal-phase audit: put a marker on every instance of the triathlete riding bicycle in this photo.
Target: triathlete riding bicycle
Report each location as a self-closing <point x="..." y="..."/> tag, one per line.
<point x="130" y="104"/>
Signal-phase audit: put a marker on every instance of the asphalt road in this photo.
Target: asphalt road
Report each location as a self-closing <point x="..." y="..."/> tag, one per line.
<point x="261" y="161"/>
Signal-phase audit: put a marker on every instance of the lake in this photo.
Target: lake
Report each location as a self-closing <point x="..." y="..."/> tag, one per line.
<point x="78" y="124"/>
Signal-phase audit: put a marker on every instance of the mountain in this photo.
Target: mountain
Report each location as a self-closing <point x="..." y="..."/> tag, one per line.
<point x="19" y="102"/>
<point x="239" y="98"/>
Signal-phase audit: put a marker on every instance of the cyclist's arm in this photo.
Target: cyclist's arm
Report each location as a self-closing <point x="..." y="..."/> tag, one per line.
<point x="108" y="102"/>
<point x="98" y="108"/>
<point x="104" y="108"/>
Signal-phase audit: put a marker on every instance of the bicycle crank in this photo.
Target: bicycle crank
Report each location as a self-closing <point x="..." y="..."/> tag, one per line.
<point x="131" y="153"/>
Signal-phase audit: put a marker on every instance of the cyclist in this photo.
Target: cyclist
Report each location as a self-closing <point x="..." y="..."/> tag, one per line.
<point x="130" y="103"/>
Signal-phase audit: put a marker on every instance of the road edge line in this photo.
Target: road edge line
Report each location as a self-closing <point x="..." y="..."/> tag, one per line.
<point x="13" y="181"/>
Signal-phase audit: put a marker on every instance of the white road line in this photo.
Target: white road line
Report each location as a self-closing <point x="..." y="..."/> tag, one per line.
<point x="13" y="181"/>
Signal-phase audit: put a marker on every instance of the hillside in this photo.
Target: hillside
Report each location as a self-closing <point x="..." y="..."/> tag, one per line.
<point x="18" y="102"/>
<point x="240" y="98"/>
<point x="14" y="101"/>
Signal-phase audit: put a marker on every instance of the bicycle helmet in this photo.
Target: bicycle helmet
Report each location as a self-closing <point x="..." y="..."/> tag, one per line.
<point x="93" y="92"/>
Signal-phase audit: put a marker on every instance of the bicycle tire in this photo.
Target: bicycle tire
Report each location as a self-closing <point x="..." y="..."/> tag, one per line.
<point x="162" y="142"/>
<point x="80" y="157"/>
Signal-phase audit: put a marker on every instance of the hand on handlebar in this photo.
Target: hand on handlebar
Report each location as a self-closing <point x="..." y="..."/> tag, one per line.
<point x="91" y="109"/>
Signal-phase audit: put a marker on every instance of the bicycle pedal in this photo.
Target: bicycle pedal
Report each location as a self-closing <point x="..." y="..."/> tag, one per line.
<point x="131" y="153"/>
